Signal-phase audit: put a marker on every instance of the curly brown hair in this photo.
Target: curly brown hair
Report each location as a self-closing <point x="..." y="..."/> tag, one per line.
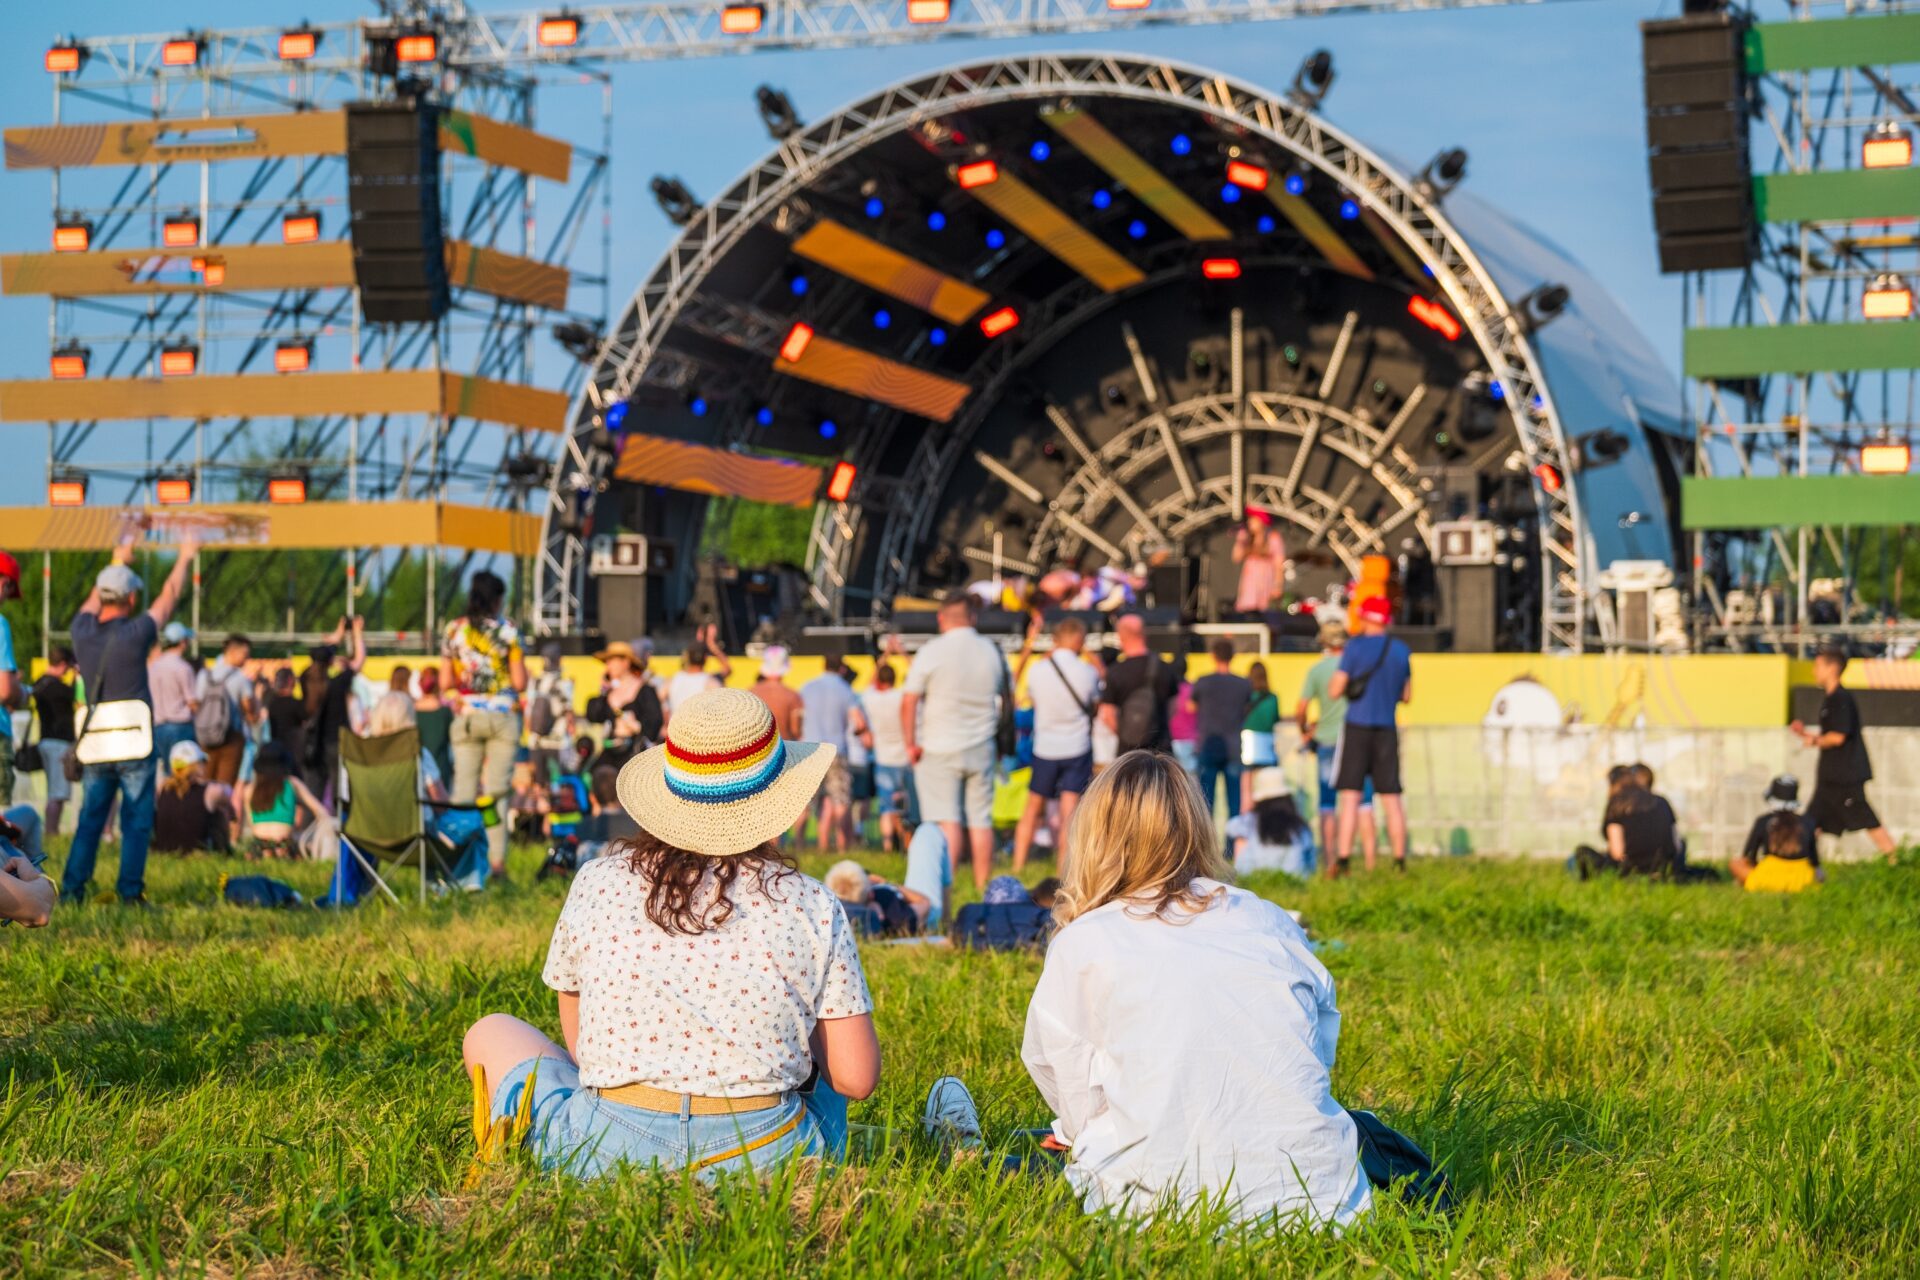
<point x="679" y="898"/>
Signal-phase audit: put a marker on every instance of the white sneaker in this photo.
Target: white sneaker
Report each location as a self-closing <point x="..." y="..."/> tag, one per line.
<point x="951" y="1116"/>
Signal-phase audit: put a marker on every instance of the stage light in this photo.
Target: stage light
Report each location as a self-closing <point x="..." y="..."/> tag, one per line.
<point x="179" y="362"/>
<point x="936" y="221"/>
<point x="72" y="237"/>
<point x="1313" y="79"/>
<point x="69" y="362"/>
<point x="299" y="227"/>
<point x="1887" y="298"/>
<point x="674" y="200"/>
<point x="298" y="46"/>
<point x="798" y="286"/>
<point x="1888" y="146"/>
<point x="840" y="483"/>
<point x="1180" y="144"/>
<point x="1124" y="5"/>
<point x="1549" y="477"/>
<point x="1102" y="198"/>
<point x="928" y="10"/>
<point x="287" y="490"/>
<point x="173" y="491"/>
<point x="1265" y="225"/>
<point x="1137" y="229"/>
<point x="697" y="405"/>
<point x="996" y="238"/>
<point x="937" y="337"/>
<point x="1349" y="209"/>
<point x="558" y="33"/>
<point x="1230" y="194"/>
<point x="882" y="318"/>
<point x="796" y="342"/>
<point x="212" y="274"/>
<point x="777" y="112"/>
<point x="827" y="429"/>
<point x="741" y="19"/>
<point x="67" y="489"/>
<point x="1250" y="176"/>
<point x="1443" y="173"/>
<point x="1435" y="317"/>
<point x="62" y="58"/>
<point x="1296" y="184"/>
<point x="875" y="206"/>
<point x="1221" y="268"/>
<point x="1040" y="151"/>
<point x="999" y="322"/>
<point x="181" y="231"/>
<point x="293" y="357"/>
<point x="764" y="415"/>
<point x="179" y="53"/>
<point x="1497" y="391"/>
<point x="1291" y="354"/>
<point x="977" y="174"/>
<point x="1886" y="459"/>
<point x="419" y="47"/>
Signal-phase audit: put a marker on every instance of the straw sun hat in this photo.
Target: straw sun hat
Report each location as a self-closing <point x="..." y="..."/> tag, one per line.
<point x="723" y="782"/>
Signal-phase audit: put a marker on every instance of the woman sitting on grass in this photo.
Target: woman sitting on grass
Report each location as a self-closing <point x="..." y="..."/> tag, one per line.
<point x="1181" y="1031"/>
<point x="274" y="807"/>
<point x="1788" y="865"/>
<point x="710" y="996"/>
<point x="191" y="814"/>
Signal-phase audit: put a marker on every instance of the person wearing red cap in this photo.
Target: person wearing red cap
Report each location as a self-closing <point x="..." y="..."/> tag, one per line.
<point x="1375" y="676"/>
<point x="11" y="691"/>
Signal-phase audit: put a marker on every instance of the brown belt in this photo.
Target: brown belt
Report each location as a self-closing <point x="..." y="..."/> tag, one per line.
<point x="648" y="1098"/>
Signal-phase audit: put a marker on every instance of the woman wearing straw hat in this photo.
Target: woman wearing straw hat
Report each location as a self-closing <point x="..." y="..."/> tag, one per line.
<point x="711" y="998"/>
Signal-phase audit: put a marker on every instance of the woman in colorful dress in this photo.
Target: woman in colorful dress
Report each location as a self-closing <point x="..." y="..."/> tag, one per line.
<point x="484" y="672"/>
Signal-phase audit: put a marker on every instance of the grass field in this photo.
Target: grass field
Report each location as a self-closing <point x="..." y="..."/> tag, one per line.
<point x="1624" y="1079"/>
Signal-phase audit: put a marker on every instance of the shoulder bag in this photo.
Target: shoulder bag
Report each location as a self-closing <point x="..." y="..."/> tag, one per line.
<point x="1006" y="734"/>
<point x="1357" y="682"/>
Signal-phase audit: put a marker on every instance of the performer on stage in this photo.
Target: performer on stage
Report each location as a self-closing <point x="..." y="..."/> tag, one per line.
<point x="1262" y="557"/>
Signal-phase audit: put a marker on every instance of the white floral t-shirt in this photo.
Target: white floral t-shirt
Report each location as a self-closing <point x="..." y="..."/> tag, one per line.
<point x="726" y="1013"/>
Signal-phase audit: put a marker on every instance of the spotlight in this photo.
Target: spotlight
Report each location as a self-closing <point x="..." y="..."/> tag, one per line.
<point x="798" y="286"/>
<point x="64" y="58"/>
<point x="977" y="174"/>
<point x="1887" y="298"/>
<point x="179" y="362"/>
<point x="180" y="53"/>
<point x="741" y="19"/>
<point x="288" y="489"/>
<point x="72" y="236"/>
<point x="882" y="318"/>
<point x="292" y="357"/>
<point x="1315" y="77"/>
<point x="1435" y="317"/>
<point x="1296" y="184"/>
<point x="1291" y="354"/>
<point x="182" y="231"/>
<point x="1443" y="173"/>
<point x="67" y="489"/>
<point x="840" y="483"/>
<point x="827" y="429"/>
<point x="1265" y="225"/>
<point x="874" y="207"/>
<point x="302" y="226"/>
<point x="212" y="274"/>
<point x="419" y="47"/>
<point x="999" y="322"/>
<point x="1541" y="304"/>
<point x="1597" y="448"/>
<point x="1250" y="176"/>
<point x="1181" y="144"/>
<point x="1888" y="146"/>
<point x="921" y="11"/>
<point x="615" y="417"/>
<point x="1040" y="152"/>
<point x="173" y="491"/>
<point x="1137" y="229"/>
<point x="796" y="342"/>
<point x="1221" y="268"/>
<point x="674" y="200"/>
<point x="937" y="337"/>
<point x="1349" y="209"/>
<point x="579" y="340"/>
<point x="69" y="362"/>
<point x="764" y="415"/>
<point x="1122" y="5"/>
<point x="298" y="46"/>
<point x="1886" y="459"/>
<point x="1549" y="477"/>
<point x="936" y="221"/>
<point x="697" y="405"/>
<point x="558" y="33"/>
<point x="776" y="112"/>
<point x="1114" y="392"/>
<point x="1230" y="194"/>
<point x="996" y="238"/>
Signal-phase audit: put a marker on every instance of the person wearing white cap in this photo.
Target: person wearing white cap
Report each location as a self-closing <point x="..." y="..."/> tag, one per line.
<point x="710" y="997"/>
<point x="111" y="637"/>
<point x="175" y="687"/>
<point x="190" y="813"/>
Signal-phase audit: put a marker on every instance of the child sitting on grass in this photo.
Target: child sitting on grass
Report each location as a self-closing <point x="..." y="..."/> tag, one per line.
<point x="1789" y="863"/>
<point x="526" y="804"/>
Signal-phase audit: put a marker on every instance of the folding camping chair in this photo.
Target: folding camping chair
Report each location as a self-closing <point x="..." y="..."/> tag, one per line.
<point x="383" y="822"/>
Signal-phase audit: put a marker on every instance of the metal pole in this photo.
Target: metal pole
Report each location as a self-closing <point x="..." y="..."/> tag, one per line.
<point x="46" y="604"/>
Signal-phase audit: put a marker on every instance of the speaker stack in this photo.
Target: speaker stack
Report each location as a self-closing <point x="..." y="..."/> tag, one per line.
<point x="1696" y="91"/>
<point x="393" y="196"/>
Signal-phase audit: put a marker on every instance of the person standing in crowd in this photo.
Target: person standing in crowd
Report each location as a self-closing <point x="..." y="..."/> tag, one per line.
<point x="693" y="678"/>
<point x="482" y="666"/>
<point x="959" y="677"/>
<point x="112" y="639"/>
<point x="1065" y="693"/>
<point x="12" y="693"/>
<point x="1220" y="701"/>
<point x="228" y="676"/>
<point x="1262" y="557"/>
<point x="771" y="688"/>
<point x="830" y="714"/>
<point x="53" y="699"/>
<point x="1183" y="726"/>
<point x="287" y="719"/>
<point x="433" y="718"/>
<point x="628" y="705"/>
<point x="1259" y="749"/>
<point x="549" y="714"/>
<point x="1140" y="688"/>
<point x="331" y="704"/>
<point x="1375" y="677"/>
<point x="1839" y="802"/>
<point x="892" y="775"/>
<point x="1321" y="717"/>
<point x="173" y="684"/>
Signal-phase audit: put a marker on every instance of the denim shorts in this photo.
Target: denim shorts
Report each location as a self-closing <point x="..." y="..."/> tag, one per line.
<point x="576" y="1131"/>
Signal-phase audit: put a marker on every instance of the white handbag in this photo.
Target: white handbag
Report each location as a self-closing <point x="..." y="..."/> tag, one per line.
<point x="116" y="732"/>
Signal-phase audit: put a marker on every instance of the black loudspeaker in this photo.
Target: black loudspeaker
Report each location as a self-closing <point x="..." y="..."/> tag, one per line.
<point x="1696" y="96"/>
<point x="393" y="197"/>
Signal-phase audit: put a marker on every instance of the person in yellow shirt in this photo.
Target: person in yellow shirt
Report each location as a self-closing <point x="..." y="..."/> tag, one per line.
<point x="1788" y="865"/>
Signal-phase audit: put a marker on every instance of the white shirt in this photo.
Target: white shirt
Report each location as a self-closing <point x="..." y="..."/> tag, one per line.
<point x="1063" y="688"/>
<point x="725" y="1013"/>
<point x="959" y="673"/>
<point x="883" y="717"/>
<point x="1191" y="1058"/>
<point x="688" y="684"/>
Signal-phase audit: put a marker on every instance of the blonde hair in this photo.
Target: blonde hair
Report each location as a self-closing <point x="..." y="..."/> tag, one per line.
<point x="1143" y="835"/>
<point x="391" y="713"/>
<point x="847" y="880"/>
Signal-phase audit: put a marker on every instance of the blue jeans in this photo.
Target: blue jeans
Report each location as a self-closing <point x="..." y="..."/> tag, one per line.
<point x="1215" y="765"/>
<point x="133" y="779"/>
<point x="577" y="1131"/>
<point x="27" y="818"/>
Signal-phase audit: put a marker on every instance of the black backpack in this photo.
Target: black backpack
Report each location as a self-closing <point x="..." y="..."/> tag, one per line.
<point x="1141" y="712"/>
<point x="1002" y="926"/>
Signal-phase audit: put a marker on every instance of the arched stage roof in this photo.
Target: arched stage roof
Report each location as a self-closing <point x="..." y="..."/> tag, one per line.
<point x="1002" y="272"/>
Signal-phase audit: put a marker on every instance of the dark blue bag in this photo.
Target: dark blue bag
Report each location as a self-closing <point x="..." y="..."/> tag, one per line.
<point x="1391" y="1158"/>
<point x="260" y="891"/>
<point x="1003" y="926"/>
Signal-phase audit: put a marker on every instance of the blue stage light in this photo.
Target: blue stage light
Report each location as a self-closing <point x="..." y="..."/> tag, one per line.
<point x="764" y="417"/>
<point x="1497" y="391"/>
<point x="616" y="415"/>
<point x="1040" y="151"/>
<point x="882" y="318"/>
<point x="798" y="286"/>
<point x="938" y="337"/>
<point x="828" y="431"/>
<point x="1102" y="198"/>
<point x="1137" y="229"/>
<point x="936" y="221"/>
<point x="1181" y="144"/>
<point x="697" y="406"/>
<point x="1296" y="184"/>
<point x="875" y="206"/>
<point x="1349" y="210"/>
<point x="1230" y="193"/>
<point x="1265" y="225"/>
<point x="996" y="238"/>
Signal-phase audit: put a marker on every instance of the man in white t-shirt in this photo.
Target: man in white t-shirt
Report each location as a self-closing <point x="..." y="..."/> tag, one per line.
<point x="892" y="774"/>
<point x="1065" y="692"/>
<point x="958" y="678"/>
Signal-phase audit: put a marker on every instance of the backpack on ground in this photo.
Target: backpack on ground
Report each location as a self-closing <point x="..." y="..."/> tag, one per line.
<point x="1001" y="926"/>
<point x="213" y="718"/>
<point x="1140" y="712"/>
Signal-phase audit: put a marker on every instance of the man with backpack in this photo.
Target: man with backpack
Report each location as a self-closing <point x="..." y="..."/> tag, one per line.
<point x="1375" y="677"/>
<point x="1065" y="691"/>
<point x="1139" y="688"/>
<point x="549" y="714"/>
<point x="226" y="709"/>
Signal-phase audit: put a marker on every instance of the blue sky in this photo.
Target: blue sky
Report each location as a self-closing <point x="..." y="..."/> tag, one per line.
<point x="1545" y="98"/>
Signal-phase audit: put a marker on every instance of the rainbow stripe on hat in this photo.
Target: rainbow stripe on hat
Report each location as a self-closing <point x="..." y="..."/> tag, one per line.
<point x="724" y="776"/>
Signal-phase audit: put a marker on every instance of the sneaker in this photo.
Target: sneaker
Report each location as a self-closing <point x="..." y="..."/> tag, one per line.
<point x="951" y="1116"/>
<point x="138" y="903"/>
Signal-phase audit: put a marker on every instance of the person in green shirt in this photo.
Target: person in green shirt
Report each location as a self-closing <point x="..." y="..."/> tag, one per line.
<point x="1324" y="735"/>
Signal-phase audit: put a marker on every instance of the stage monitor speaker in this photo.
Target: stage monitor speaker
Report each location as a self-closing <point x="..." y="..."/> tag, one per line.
<point x="1471" y="610"/>
<point x="393" y="201"/>
<point x="1697" y="161"/>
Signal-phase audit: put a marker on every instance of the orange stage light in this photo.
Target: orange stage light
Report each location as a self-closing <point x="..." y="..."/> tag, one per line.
<point x="72" y="237"/>
<point x="558" y="33"/>
<point x="1250" y="176"/>
<point x="1887" y="298"/>
<point x="418" y="48"/>
<point x="63" y="57"/>
<point x="298" y="46"/>
<point x="66" y="493"/>
<point x="741" y="19"/>
<point x="1221" y="268"/>
<point x="68" y="365"/>
<point x="1886" y="459"/>
<point x="180" y="53"/>
<point x="292" y="357"/>
<point x="287" y="490"/>
<point x="1435" y="317"/>
<point x="999" y="322"/>
<point x="840" y="483"/>
<point x="180" y="233"/>
<point x="1549" y="477"/>
<point x="1128" y="4"/>
<point x="977" y="174"/>
<point x="300" y="228"/>
<point x="929" y="10"/>
<point x="796" y="342"/>
<point x="1889" y="150"/>
<point x="178" y="362"/>
<point x="173" y="491"/>
<point x="212" y="274"/>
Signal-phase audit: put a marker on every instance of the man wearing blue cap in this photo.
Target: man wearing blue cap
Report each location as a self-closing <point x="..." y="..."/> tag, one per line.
<point x="112" y="638"/>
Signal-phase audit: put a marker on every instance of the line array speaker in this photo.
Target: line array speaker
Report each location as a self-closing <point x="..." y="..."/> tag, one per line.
<point x="393" y="197"/>
<point x="1696" y="96"/>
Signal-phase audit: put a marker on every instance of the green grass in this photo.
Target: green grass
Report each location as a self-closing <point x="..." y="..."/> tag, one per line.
<point x="1624" y="1079"/>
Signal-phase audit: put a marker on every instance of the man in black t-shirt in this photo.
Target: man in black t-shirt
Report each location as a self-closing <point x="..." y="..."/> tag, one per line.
<point x="1139" y="688"/>
<point x="1839" y="803"/>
